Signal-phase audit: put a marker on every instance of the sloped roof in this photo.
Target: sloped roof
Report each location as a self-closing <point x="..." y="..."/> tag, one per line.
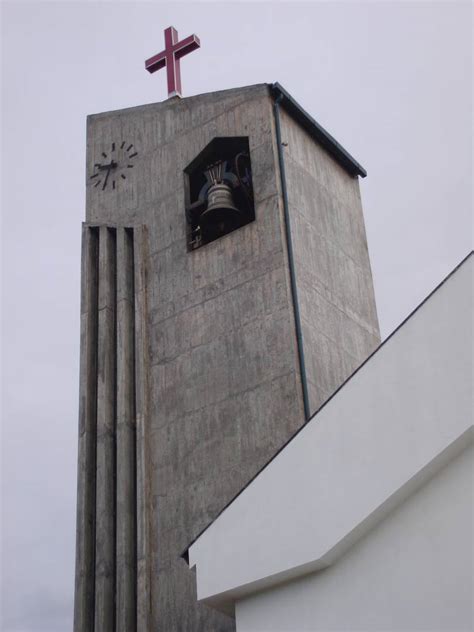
<point x="388" y="429"/>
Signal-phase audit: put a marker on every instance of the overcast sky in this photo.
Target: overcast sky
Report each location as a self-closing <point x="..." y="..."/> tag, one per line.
<point x="392" y="83"/>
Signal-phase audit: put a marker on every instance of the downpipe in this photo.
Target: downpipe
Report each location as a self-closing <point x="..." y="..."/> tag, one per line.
<point x="291" y="262"/>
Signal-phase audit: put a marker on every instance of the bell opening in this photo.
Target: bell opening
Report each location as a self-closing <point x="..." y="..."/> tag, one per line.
<point x="219" y="192"/>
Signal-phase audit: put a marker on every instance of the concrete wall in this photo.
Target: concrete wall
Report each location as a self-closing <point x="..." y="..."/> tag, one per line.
<point x="222" y="380"/>
<point x="334" y="281"/>
<point x="403" y="416"/>
<point x="414" y="571"/>
<point x="221" y="343"/>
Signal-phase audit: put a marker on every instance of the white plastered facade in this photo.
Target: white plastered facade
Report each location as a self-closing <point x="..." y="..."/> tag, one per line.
<point x="364" y="521"/>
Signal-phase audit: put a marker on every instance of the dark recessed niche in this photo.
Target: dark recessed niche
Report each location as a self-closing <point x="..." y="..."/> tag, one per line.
<point x="219" y="191"/>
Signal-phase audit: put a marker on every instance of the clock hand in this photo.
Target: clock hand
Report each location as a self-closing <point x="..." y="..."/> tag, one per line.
<point x="111" y="165"/>
<point x="106" y="177"/>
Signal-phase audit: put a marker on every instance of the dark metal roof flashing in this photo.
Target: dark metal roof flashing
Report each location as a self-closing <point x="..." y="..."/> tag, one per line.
<point x="315" y="130"/>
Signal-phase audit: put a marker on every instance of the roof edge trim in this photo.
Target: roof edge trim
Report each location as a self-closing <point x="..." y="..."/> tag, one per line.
<point x="315" y="130"/>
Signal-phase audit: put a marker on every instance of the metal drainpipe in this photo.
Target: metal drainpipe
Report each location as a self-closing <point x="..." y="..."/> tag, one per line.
<point x="291" y="263"/>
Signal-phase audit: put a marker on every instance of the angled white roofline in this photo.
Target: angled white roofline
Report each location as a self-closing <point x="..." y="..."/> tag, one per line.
<point x="393" y="425"/>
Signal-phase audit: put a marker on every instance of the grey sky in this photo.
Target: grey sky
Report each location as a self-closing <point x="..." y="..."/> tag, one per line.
<point x="392" y="83"/>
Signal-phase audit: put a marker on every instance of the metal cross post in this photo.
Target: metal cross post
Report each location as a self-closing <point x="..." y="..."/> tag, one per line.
<point x="170" y="57"/>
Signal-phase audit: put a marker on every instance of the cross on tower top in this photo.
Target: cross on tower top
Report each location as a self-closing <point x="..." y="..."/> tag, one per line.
<point x="170" y="57"/>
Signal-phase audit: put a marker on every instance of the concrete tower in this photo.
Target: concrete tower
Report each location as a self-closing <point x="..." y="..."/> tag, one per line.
<point x="220" y="308"/>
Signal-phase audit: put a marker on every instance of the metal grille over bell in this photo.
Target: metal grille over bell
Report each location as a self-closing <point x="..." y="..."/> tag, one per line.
<point x="221" y="215"/>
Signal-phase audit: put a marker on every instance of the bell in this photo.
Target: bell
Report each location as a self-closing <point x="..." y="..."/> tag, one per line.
<point x="221" y="215"/>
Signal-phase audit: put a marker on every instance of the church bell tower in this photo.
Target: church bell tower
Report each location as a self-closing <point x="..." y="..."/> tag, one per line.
<point x="226" y="294"/>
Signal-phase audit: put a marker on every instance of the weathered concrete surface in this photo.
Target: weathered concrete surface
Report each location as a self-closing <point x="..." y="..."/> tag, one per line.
<point x="106" y="458"/>
<point x="220" y="326"/>
<point x="85" y="533"/>
<point x="335" y="289"/>
<point x="143" y="472"/>
<point x="113" y="402"/>
<point x="126" y="538"/>
<point x="219" y="388"/>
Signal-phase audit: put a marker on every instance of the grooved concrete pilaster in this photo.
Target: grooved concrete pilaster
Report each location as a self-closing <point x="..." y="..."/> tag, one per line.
<point x="125" y="434"/>
<point x="143" y="498"/>
<point x="85" y="535"/>
<point x="112" y="588"/>
<point x="106" y="461"/>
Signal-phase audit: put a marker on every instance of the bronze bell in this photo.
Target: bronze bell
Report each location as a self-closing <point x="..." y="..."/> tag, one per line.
<point x="221" y="215"/>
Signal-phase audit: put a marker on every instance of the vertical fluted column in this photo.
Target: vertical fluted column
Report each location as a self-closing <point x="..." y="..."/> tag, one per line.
<point x="142" y="440"/>
<point x="126" y="560"/>
<point x="106" y="421"/>
<point x="85" y="532"/>
<point x="112" y="592"/>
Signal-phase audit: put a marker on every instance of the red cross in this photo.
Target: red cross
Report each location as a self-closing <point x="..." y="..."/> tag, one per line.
<point x="170" y="57"/>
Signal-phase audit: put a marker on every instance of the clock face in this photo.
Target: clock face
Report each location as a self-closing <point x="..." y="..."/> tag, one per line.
<point x="113" y="166"/>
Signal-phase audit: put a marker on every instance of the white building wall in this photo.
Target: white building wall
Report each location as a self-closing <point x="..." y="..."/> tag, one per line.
<point x="411" y="572"/>
<point x="402" y="417"/>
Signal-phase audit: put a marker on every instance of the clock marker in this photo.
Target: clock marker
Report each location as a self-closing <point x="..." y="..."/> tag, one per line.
<point x="106" y="174"/>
